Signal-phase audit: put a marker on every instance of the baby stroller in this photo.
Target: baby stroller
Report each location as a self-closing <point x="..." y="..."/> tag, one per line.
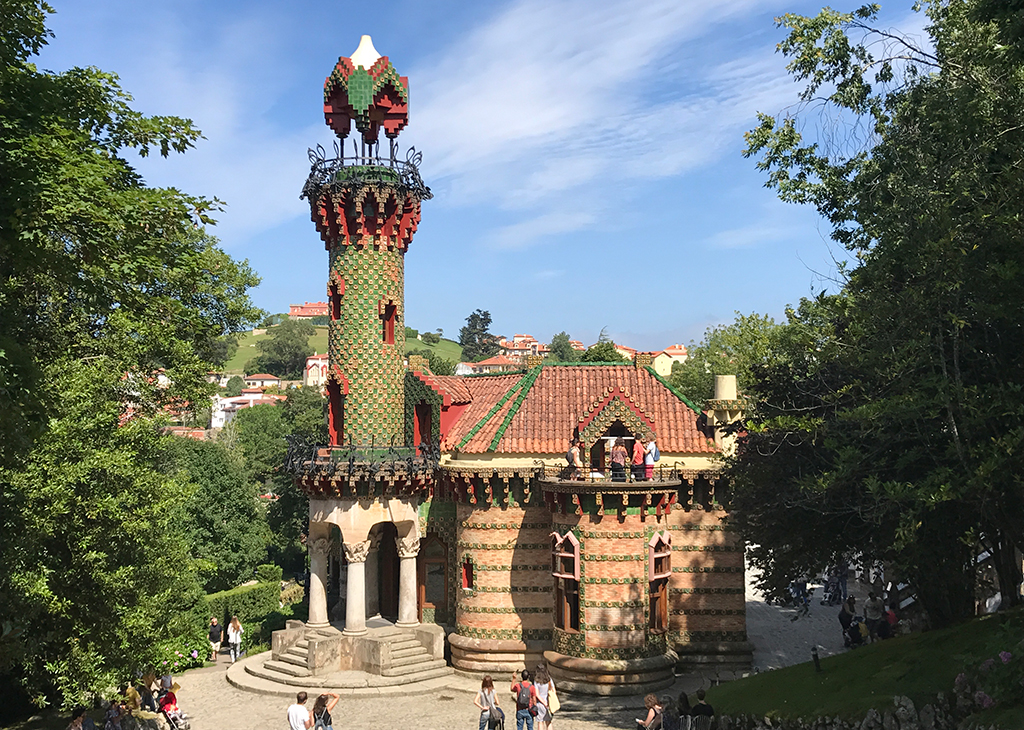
<point x="857" y="634"/>
<point x="831" y="594"/>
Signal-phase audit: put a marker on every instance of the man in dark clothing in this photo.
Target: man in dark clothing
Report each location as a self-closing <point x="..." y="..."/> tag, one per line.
<point x="215" y="635"/>
<point x="702" y="710"/>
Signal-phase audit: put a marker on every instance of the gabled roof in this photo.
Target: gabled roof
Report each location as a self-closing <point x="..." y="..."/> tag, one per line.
<point x="262" y="376"/>
<point x="536" y="412"/>
<point x="451" y="388"/>
<point x="496" y="360"/>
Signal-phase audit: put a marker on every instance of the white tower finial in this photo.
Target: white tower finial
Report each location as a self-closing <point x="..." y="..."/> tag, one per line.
<point x="366" y="55"/>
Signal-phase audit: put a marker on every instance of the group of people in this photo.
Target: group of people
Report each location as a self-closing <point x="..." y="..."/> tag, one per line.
<point x="680" y="715"/>
<point x="535" y="697"/>
<point x="878" y="622"/>
<point x="299" y="718"/>
<point x="645" y="454"/>
<point x="215" y="634"/>
<point x="137" y="702"/>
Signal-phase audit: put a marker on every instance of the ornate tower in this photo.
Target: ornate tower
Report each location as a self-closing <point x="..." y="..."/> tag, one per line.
<point x="366" y="206"/>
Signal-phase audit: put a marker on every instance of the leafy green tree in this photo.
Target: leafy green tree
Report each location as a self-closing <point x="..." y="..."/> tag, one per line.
<point x="928" y="203"/>
<point x="728" y="349"/>
<point x="234" y="387"/>
<point x="223" y="520"/>
<point x="602" y="351"/>
<point x="475" y="338"/>
<point x="430" y="338"/>
<point x="105" y="280"/>
<point x="560" y="350"/>
<point x="285" y="351"/>
<point x="438" y="365"/>
<point x="258" y="434"/>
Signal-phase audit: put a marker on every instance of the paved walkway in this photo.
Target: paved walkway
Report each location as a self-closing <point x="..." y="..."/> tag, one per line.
<point x="778" y="641"/>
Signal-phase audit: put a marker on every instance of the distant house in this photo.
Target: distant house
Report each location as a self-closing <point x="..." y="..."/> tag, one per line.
<point x="224" y="409"/>
<point x="521" y="346"/>
<point x="662" y="361"/>
<point x="307" y="310"/>
<point x="627" y="352"/>
<point x="577" y="345"/>
<point x="261" y="380"/>
<point x="315" y="372"/>
<point x="496" y="364"/>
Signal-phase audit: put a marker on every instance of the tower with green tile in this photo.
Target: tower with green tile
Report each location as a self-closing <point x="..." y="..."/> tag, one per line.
<point x="365" y="203"/>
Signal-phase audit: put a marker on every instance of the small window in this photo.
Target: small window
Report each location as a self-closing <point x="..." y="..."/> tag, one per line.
<point x="565" y="567"/>
<point x="390" y="313"/>
<point x="335" y="302"/>
<point x="467" y="574"/>
<point x="659" y="566"/>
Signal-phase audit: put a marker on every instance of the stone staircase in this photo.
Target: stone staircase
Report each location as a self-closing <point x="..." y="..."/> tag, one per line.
<point x="403" y="658"/>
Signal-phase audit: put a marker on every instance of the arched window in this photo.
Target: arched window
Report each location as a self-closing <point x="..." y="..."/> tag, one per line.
<point x="390" y="313"/>
<point x="565" y="567"/>
<point x="467" y="574"/>
<point x="433" y="581"/>
<point x="659" y="569"/>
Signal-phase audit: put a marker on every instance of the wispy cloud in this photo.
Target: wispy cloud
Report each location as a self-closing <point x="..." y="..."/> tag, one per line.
<point x="536" y="110"/>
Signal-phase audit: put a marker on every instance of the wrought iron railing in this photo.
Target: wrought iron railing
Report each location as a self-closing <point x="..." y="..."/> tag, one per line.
<point x="661" y="473"/>
<point x="364" y="166"/>
<point x="359" y="461"/>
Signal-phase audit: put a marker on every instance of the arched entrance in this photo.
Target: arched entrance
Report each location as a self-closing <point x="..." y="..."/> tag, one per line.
<point x="385" y="536"/>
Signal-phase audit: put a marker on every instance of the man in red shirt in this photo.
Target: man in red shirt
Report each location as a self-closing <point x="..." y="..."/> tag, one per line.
<point x="526" y="697"/>
<point x="638" y="459"/>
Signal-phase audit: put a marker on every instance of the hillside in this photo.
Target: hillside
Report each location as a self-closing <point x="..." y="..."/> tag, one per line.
<point x="918" y="666"/>
<point x="247" y="349"/>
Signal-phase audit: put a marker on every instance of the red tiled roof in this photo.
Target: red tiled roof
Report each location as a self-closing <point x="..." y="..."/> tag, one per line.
<point x="262" y="376"/>
<point x="453" y="389"/>
<point x="496" y="360"/>
<point x="547" y="414"/>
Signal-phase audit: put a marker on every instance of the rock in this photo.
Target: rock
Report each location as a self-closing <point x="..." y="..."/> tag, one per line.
<point x="926" y="718"/>
<point x="906" y="713"/>
<point x="889" y="721"/>
<point x="872" y="720"/>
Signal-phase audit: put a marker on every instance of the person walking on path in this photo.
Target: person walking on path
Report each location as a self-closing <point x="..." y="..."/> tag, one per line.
<point x="298" y="716"/>
<point x="487" y="700"/>
<point x="874" y="612"/>
<point x="526" y="699"/>
<point x="638" y="460"/>
<point x="545" y="687"/>
<point x="235" y="632"/>
<point x="703" y="714"/>
<point x="322" y="711"/>
<point x="215" y="635"/>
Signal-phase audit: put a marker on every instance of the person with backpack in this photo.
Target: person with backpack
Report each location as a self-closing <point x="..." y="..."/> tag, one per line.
<point x="651" y="455"/>
<point x="526" y="700"/>
<point x="322" y="711"/>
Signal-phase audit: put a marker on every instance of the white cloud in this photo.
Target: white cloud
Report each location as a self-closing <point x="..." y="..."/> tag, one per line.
<point x="540" y="108"/>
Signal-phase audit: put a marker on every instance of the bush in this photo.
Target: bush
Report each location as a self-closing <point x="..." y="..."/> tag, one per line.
<point x="249" y="603"/>
<point x="293" y="593"/>
<point x="268" y="573"/>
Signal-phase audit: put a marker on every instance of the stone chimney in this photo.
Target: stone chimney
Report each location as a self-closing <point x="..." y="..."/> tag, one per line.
<point x="725" y="408"/>
<point x="533" y="361"/>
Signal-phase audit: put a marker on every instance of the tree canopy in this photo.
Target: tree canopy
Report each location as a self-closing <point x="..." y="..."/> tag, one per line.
<point x="476" y="339"/>
<point x="560" y="350"/>
<point x="106" y="281"/>
<point x="285" y="351"/>
<point x="904" y="407"/>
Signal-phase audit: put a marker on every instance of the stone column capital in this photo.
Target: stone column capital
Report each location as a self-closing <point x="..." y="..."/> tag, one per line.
<point x="321" y="546"/>
<point x="356" y="552"/>
<point x="408" y="547"/>
<point x="375" y="540"/>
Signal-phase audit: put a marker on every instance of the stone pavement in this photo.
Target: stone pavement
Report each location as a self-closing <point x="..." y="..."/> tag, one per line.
<point x="215" y="704"/>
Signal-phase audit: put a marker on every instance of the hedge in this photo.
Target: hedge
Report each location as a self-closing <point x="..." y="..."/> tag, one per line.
<point x="268" y="573"/>
<point x="250" y="603"/>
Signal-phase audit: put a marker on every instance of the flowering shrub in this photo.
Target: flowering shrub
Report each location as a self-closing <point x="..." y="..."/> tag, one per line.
<point x="996" y="681"/>
<point x="177" y="655"/>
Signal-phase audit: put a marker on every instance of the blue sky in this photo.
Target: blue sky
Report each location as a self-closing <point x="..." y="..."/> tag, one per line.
<point x="584" y="156"/>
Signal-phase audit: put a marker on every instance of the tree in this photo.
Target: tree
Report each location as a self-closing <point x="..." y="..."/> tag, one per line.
<point x="475" y="337"/>
<point x="223" y="521"/>
<point x="560" y="350"/>
<point x="430" y="338"/>
<point x="438" y="365"/>
<point x="928" y="201"/>
<point x="603" y="350"/>
<point x="729" y="349"/>
<point x="285" y="351"/>
<point x="105" y="280"/>
<point x="258" y="435"/>
<point x="234" y="387"/>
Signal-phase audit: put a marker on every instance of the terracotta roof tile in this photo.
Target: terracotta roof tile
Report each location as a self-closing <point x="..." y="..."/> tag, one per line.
<point x="555" y="401"/>
<point x="453" y="389"/>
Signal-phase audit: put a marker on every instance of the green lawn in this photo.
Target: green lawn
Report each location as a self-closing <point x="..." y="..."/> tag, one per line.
<point x="247" y="349"/>
<point x="918" y="666"/>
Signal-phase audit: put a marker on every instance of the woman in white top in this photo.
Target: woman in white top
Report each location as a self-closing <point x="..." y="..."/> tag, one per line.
<point x="487" y="701"/>
<point x="544" y="684"/>
<point x="235" y="632"/>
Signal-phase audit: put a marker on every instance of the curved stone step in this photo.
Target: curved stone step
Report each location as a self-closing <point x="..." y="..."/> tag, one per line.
<point x="411" y="651"/>
<point x="414" y="668"/>
<point x="291" y="670"/>
<point x="297" y="661"/>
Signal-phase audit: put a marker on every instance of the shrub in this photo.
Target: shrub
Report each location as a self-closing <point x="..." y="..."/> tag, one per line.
<point x="250" y="603"/>
<point x="268" y="573"/>
<point x="292" y="593"/>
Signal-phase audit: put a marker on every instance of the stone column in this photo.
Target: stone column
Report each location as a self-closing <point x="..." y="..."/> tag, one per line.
<point x="319" y="550"/>
<point x="373" y="576"/>
<point x="408" y="549"/>
<point x="355" y="598"/>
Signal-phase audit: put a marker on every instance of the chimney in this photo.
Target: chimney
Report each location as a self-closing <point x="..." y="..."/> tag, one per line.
<point x="642" y="360"/>
<point x="725" y="387"/>
<point x="534" y="361"/>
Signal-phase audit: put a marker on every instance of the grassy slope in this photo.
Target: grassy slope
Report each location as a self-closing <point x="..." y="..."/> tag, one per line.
<point x="247" y="349"/>
<point x="918" y="666"/>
